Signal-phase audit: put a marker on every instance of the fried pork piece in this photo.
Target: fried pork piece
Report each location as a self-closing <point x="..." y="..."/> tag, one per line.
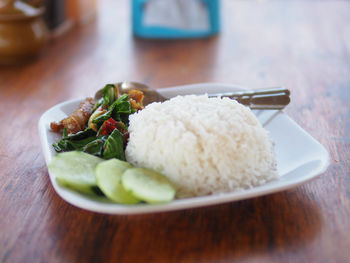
<point x="76" y="122"/>
<point x="136" y="99"/>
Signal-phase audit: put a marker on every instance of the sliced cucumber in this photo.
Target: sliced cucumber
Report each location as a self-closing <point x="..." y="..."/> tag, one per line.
<point x="148" y="185"/>
<point x="108" y="179"/>
<point x="75" y="170"/>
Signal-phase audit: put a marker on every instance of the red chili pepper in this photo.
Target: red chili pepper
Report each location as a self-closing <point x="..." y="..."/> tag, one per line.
<point x="108" y="126"/>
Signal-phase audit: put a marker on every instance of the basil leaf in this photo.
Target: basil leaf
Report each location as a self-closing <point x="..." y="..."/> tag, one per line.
<point x="123" y="117"/>
<point x="64" y="134"/>
<point x="102" y="118"/>
<point x="95" y="147"/>
<point x="75" y="141"/>
<point x="114" y="146"/>
<point x="124" y="97"/>
<point x="56" y="147"/>
<point x="88" y="132"/>
<point x="120" y="106"/>
<point x="97" y="104"/>
<point x="70" y="145"/>
<point x="124" y="107"/>
<point x="123" y="104"/>
<point x="108" y="94"/>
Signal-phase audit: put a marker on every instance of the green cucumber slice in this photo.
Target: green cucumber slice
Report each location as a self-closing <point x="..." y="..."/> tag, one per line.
<point x="108" y="180"/>
<point x="148" y="185"/>
<point x="75" y="170"/>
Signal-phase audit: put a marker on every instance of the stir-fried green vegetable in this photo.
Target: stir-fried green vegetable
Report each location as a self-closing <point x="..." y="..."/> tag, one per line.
<point x="105" y="132"/>
<point x="75" y="141"/>
<point x="113" y="147"/>
<point x="116" y="110"/>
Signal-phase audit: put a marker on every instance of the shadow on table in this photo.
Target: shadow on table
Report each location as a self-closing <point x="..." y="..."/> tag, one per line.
<point x="257" y="227"/>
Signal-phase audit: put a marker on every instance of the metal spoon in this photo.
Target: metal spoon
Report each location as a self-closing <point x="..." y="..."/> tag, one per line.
<point x="273" y="98"/>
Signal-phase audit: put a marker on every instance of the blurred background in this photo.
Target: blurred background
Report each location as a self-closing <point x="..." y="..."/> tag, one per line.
<point x="255" y="43"/>
<point x="53" y="51"/>
<point x="64" y="13"/>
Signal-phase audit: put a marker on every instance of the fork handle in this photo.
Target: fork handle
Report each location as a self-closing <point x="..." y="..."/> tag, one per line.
<point x="274" y="98"/>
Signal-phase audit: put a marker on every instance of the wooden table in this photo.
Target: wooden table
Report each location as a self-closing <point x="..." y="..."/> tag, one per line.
<point x="304" y="46"/>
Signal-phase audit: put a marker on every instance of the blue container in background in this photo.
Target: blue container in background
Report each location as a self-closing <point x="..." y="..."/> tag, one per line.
<point x="144" y="30"/>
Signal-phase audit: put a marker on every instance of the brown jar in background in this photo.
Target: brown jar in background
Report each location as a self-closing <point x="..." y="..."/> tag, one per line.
<point x="23" y="33"/>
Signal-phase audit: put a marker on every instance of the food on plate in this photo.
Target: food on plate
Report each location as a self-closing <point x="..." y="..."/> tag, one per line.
<point x="187" y="146"/>
<point x="108" y="175"/>
<point x="148" y="185"/>
<point x="75" y="170"/>
<point x="117" y="180"/>
<point x="136" y="99"/>
<point x="98" y="130"/>
<point x="202" y="145"/>
<point x="75" y="122"/>
<point x="99" y="127"/>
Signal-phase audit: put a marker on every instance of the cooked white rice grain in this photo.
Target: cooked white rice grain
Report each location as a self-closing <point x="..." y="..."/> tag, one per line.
<point x="203" y="145"/>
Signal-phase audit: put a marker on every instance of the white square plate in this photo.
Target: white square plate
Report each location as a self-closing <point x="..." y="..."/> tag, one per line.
<point x="300" y="157"/>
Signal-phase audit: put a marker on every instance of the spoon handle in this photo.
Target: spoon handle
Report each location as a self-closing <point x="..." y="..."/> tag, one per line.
<point x="274" y="98"/>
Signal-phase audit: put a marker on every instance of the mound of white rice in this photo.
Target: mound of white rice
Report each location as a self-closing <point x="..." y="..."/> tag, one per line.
<point x="203" y="145"/>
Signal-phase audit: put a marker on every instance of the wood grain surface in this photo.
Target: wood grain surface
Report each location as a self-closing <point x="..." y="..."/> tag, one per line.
<point x="301" y="45"/>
